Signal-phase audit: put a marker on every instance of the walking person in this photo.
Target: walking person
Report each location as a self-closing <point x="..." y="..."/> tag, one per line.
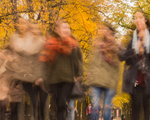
<point x="104" y="69"/>
<point x="15" y="96"/>
<point x="136" y="80"/>
<point x="26" y="44"/>
<point x="122" y="117"/>
<point x="64" y="58"/>
<point x="5" y="81"/>
<point x="89" y="110"/>
<point x="77" y="117"/>
<point x="70" y="110"/>
<point x="97" y="113"/>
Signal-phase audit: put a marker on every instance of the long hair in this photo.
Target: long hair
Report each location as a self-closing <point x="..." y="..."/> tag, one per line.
<point x="57" y="24"/>
<point x="147" y="18"/>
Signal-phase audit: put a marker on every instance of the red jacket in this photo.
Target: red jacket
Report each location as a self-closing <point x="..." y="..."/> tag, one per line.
<point x="89" y="110"/>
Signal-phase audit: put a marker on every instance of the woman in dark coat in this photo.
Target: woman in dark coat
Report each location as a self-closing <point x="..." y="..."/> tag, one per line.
<point x="63" y="55"/>
<point x="137" y="78"/>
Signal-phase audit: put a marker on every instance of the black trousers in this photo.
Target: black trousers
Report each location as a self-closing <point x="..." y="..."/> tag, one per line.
<point x="38" y="107"/>
<point x="62" y="92"/>
<point x="2" y="110"/>
<point x="139" y="98"/>
<point x="14" y="110"/>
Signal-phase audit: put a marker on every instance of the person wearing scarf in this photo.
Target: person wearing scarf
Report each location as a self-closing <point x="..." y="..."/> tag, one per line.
<point x="103" y="73"/>
<point x="63" y="56"/>
<point x="136" y="79"/>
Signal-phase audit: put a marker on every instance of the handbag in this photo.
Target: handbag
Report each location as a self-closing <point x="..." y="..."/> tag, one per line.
<point x="79" y="88"/>
<point x="78" y="91"/>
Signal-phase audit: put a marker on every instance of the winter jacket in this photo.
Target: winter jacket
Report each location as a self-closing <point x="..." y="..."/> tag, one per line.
<point x="131" y="69"/>
<point x="65" y="68"/>
<point x="103" y="73"/>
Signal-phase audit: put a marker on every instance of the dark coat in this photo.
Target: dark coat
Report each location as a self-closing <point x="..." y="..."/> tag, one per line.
<point x="131" y="69"/>
<point x="65" y="68"/>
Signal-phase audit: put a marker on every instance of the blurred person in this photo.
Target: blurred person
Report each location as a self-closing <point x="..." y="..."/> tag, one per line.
<point x="112" y="117"/>
<point x="136" y="80"/>
<point x="89" y="110"/>
<point x="15" y="46"/>
<point x="3" y="104"/>
<point x="70" y="110"/>
<point x="15" y="96"/>
<point x="104" y="69"/>
<point x="16" y="91"/>
<point x="40" y="73"/>
<point x="122" y="117"/>
<point x="97" y="110"/>
<point x="5" y="81"/>
<point x="76" y="114"/>
<point x="26" y="44"/>
<point x="64" y="58"/>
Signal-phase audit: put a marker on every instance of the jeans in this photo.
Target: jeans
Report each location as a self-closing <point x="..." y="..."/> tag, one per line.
<point x="89" y="117"/>
<point x="139" y="98"/>
<point x="97" y="116"/>
<point x="71" y="112"/>
<point x="96" y="93"/>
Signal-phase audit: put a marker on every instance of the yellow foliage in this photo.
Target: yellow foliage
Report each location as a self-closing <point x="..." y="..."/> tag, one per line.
<point x="120" y="98"/>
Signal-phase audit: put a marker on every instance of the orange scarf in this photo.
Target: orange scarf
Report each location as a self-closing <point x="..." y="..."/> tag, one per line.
<point x="55" y="46"/>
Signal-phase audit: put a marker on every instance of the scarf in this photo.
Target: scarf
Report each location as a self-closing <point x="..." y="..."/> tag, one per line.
<point x="146" y="41"/>
<point x="55" y="46"/>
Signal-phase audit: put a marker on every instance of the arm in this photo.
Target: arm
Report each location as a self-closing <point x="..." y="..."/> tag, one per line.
<point x="78" y="64"/>
<point x="127" y="55"/>
<point x="6" y="55"/>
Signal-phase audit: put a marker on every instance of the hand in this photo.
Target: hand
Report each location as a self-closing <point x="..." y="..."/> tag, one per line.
<point x="80" y="78"/>
<point x="141" y="51"/>
<point x="141" y="34"/>
<point x="90" y="76"/>
<point x="69" y="108"/>
<point x="38" y="81"/>
<point x="140" y="47"/>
